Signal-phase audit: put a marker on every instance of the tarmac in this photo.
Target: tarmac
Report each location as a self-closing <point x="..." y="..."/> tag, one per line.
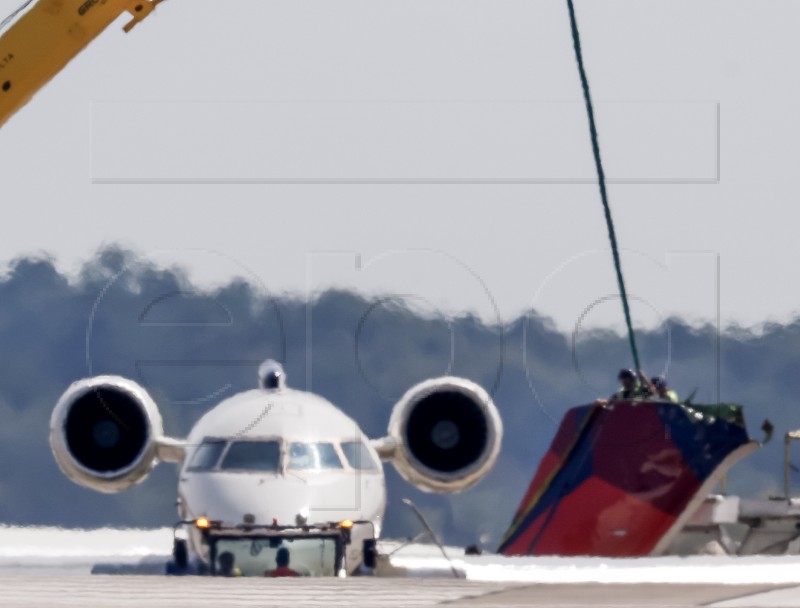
<point x="54" y="590"/>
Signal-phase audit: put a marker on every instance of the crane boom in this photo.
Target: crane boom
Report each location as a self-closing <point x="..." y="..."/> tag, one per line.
<point x="44" y="40"/>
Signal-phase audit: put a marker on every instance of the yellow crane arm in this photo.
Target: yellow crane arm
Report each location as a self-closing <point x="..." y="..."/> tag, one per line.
<point x="44" y="40"/>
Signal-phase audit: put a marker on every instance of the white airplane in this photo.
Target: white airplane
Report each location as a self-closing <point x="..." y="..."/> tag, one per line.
<point x="273" y="456"/>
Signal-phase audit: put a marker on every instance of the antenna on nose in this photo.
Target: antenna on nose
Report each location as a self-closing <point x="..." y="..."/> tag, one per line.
<point x="271" y="376"/>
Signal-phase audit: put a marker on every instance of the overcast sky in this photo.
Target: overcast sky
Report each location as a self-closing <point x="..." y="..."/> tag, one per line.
<point x="213" y="136"/>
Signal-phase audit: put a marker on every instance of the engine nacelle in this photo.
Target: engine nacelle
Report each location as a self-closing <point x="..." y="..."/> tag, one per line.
<point x="444" y="435"/>
<point x="104" y="433"/>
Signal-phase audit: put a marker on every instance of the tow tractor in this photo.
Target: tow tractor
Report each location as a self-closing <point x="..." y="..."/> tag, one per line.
<point x="328" y="549"/>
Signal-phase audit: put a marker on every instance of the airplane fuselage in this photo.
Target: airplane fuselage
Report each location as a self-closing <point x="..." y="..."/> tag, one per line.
<point x="277" y="457"/>
<point x="280" y="456"/>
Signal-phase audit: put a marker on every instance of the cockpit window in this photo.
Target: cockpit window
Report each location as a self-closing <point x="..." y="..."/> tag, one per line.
<point x="207" y="455"/>
<point x="358" y="456"/>
<point x="252" y="456"/>
<point x="311" y="456"/>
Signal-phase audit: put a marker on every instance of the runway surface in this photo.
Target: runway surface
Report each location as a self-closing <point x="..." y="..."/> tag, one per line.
<point x="43" y="590"/>
<point x="49" y="567"/>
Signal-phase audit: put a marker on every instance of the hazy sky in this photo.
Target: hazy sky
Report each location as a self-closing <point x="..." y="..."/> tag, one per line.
<point x="214" y="134"/>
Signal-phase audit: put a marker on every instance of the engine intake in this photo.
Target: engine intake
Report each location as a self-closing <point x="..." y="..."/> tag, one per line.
<point x="104" y="433"/>
<point x="445" y="435"/>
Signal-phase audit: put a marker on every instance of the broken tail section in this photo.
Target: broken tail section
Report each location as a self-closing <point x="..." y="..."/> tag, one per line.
<point x="620" y="481"/>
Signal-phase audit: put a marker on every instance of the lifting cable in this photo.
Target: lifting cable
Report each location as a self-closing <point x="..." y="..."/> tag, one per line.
<point x="601" y="179"/>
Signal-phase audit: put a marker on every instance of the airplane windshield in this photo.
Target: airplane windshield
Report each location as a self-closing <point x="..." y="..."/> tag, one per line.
<point x="207" y="455"/>
<point x="358" y="456"/>
<point x="312" y="456"/>
<point x="288" y="557"/>
<point x="252" y="456"/>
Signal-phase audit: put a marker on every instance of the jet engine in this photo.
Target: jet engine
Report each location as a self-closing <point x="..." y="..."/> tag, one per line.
<point x="444" y="435"/>
<point x="106" y="434"/>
